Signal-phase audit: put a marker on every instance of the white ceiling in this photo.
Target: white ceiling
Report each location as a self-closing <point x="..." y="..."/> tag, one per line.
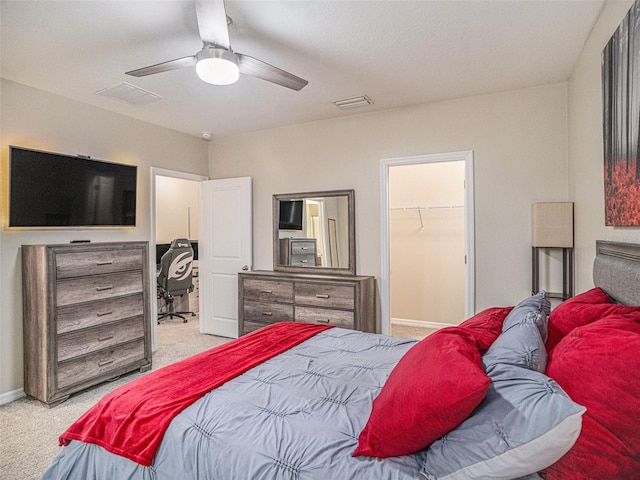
<point x="397" y="52"/>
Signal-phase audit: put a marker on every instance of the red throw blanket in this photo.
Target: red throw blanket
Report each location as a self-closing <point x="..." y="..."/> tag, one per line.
<point x="131" y="420"/>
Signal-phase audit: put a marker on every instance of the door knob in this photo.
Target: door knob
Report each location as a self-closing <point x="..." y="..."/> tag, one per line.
<point x="245" y="268"/>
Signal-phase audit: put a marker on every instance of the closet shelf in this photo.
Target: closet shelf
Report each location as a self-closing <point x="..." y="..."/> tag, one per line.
<point x="427" y="207"/>
<point x="419" y="209"/>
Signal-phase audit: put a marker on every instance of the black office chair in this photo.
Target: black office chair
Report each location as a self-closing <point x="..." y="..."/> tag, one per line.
<point x="174" y="278"/>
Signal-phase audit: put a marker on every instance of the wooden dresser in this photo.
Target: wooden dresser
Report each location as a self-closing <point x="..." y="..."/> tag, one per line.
<point x="268" y="297"/>
<point x="86" y="315"/>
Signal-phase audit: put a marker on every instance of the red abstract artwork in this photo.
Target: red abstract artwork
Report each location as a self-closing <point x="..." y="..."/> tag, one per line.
<point x="621" y="121"/>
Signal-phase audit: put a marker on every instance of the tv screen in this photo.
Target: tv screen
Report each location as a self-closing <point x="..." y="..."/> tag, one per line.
<point x="54" y="190"/>
<point x="290" y="215"/>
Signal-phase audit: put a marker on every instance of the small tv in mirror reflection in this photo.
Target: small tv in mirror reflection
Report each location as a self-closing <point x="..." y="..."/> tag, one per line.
<point x="291" y="215"/>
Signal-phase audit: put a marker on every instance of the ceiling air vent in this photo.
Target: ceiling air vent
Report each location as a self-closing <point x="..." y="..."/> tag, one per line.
<point x="354" y="102"/>
<point x="127" y="93"/>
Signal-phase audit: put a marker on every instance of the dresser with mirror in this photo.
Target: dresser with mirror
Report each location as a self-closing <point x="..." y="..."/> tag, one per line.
<point x="314" y="267"/>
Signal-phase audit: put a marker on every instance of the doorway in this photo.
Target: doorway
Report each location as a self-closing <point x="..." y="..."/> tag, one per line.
<point x="427" y="271"/>
<point x="173" y="215"/>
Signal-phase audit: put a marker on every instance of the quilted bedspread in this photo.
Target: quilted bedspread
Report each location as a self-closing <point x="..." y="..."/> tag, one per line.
<point x="295" y="416"/>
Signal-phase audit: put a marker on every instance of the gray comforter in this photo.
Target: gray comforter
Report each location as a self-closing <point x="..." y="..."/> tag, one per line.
<point x="296" y="416"/>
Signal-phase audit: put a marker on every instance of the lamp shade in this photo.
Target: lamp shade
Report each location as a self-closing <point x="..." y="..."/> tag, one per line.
<point x="552" y="224"/>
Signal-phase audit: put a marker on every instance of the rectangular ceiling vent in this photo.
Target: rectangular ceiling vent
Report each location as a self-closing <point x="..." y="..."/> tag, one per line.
<point x="354" y="102"/>
<point x="127" y="93"/>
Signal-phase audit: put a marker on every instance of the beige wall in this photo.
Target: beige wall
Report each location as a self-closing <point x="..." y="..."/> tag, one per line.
<point x="35" y="119"/>
<point x="427" y="248"/>
<point x="176" y="209"/>
<point x="519" y="140"/>
<point x="586" y="161"/>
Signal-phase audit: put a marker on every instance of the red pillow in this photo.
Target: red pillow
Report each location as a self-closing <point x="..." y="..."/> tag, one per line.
<point x="486" y="326"/>
<point x="581" y="310"/>
<point x="433" y="388"/>
<point x="597" y="366"/>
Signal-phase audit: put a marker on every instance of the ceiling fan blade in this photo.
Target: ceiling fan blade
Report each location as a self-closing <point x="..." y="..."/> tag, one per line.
<point x="257" y="68"/>
<point x="164" y="66"/>
<point x="212" y="22"/>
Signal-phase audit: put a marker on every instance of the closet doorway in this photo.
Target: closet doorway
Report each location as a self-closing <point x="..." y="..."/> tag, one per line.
<point x="427" y="229"/>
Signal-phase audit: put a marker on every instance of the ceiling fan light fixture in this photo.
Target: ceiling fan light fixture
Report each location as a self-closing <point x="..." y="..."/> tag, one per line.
<point x="217" y="66"/>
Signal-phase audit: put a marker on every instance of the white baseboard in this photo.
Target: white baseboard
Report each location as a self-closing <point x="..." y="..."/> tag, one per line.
<point x="9" y="397"/>
<point x="419" y="323"/>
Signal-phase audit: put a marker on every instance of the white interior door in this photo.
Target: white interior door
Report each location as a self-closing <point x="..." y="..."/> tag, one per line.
<point x="224" y="249"/>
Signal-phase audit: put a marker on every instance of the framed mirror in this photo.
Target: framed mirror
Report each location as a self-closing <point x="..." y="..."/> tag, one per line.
<point x="314" y="232"/>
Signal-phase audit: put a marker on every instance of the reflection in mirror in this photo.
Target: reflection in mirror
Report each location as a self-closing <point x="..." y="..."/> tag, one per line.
<point x="314" y="230"/>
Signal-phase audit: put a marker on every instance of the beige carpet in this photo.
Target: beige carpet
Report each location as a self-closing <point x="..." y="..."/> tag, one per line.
<point x="30" y="430"/>
<point x="406" y="331"/>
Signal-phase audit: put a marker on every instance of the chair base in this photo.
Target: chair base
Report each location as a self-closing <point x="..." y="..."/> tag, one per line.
<point x="175" y="314"/>
<point x="171" y="312"/>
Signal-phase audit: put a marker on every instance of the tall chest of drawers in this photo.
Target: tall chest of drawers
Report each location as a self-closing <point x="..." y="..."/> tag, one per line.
<point x="268" y="297"/>
<point x="85" y="315"/>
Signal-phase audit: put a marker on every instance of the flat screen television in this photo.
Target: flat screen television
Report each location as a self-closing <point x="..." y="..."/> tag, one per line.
<point x="53" y="190"/>
<point x="290" y="215"/>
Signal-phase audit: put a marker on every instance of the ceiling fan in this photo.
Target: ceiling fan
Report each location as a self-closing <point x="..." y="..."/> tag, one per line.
<point x="217" y="63"/>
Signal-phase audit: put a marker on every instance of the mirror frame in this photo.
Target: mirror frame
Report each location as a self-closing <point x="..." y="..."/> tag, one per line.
<point x="351" y="269"/>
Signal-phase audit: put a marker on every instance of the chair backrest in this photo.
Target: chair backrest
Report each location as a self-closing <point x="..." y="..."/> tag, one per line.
<point x="175" y="268"/>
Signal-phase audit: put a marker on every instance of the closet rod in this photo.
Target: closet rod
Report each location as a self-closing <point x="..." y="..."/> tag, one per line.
<point x="427" y="207"/>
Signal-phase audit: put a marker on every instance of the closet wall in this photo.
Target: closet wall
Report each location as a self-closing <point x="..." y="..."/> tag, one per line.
<point x="426" y="228"/>
<point x="176" y="209"/>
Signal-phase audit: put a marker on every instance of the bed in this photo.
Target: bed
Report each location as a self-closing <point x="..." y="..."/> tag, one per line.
<point x="501" y="396"/>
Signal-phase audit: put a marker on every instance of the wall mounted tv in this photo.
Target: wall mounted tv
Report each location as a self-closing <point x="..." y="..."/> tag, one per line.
<point x="290" y="215"/>
<point x="52" y="190"/>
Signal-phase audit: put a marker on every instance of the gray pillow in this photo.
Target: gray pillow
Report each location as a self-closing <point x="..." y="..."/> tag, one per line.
<point x="525" y="423"/>
<point x="520" y="346"/>
<point x="538" y="304"/>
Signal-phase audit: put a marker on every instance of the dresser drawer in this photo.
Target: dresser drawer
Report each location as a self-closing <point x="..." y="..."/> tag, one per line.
<point x="98" y="287"/>
<point x="86" y="315"/>
<point x="337" y="318"/>
<point x="305" y="260"/>
<point x="269" y="290"/>
<point x="252" y="327"/>
<point x="76" y="264"/>
<point x="81" y="342"/>
<point x="99" y="363"/>
<point x="303" y="247"/>
<point x="325" y="295"/>
<point x="266" y="312"/>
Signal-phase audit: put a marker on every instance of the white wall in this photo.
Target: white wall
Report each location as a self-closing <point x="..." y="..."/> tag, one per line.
<point x="35" y="119"/>
<point x="176" y="209"/>
<point x="519" y="139"/>
<point x="586" y="160"/>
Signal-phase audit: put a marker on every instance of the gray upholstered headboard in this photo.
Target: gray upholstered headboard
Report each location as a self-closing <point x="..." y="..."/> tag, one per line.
<point x="616" y="269"/>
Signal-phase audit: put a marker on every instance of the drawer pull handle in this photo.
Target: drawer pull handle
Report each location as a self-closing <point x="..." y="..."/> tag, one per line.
<point x="100" y="288"/>
<point x="303" y="261"/>
<point x="268" y="292"/>
<point x="104" y="339"/>
<point x="104" y="314"/>
<point x="106" y="262"/>
<point x="268" y="314"/>
<point x="304" y="248"/>
<point x="102" y="363"/>
<point x="322" y="295"/>
<point x="323" y="321"/>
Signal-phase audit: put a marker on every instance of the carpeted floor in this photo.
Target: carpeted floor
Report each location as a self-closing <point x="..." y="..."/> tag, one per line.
<point x="406" y="331"/>
<point x="30" y="430"/>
